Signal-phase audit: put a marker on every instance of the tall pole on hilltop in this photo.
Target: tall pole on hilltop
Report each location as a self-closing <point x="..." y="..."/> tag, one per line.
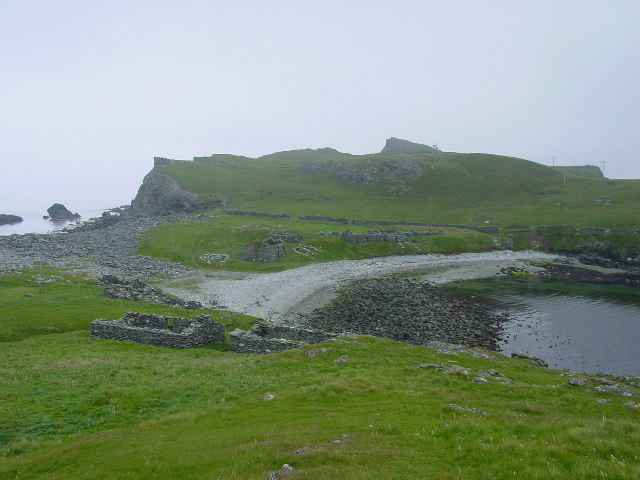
<point x="553" y="161"/>
<point x="603" y="164"/>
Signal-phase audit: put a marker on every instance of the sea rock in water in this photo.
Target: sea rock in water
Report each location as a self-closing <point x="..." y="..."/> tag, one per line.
<point x="6" y="219"/>
<point x="58" y="212"/>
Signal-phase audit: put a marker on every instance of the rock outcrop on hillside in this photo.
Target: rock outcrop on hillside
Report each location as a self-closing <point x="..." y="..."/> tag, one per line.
<point x="160" y="194"/>
<point x="589" y="171"/>
<point x="6" y="219"/>
<point x="398" y="146"/>
<point x="59" y="213"/>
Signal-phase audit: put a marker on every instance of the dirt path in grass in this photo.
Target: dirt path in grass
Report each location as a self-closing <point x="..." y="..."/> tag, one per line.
<point x="281" y="296"/>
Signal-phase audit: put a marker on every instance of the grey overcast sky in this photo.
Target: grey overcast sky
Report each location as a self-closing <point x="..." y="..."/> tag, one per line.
<point x="91" y="91"/>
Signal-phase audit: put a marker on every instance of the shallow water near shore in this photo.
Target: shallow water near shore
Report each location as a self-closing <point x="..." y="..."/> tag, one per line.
<point x="580" y="327"/>
<point x="33" y="223"/>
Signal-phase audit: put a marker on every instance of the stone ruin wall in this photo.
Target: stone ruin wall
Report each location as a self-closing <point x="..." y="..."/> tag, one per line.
<point x="382" y="236"/>
<point x="160" y="330"/>
<point x="265" y="251"/>
<point x="480" y="228"/>
<point x="269" y="338"/>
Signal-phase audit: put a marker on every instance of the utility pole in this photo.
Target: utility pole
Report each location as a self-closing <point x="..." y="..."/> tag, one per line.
<point x="553" y="161"/>
<point x="603" y="164"/>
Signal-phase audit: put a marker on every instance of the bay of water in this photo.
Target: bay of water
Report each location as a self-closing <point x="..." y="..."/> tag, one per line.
<point x="579" y="327"/>
<point x="36" y="224"/>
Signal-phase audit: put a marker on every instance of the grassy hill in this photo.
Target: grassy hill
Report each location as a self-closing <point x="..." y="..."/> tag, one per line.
<point x="451" y="188"/>
<point x="435" y="187"/>
<point x="80" y="407"/>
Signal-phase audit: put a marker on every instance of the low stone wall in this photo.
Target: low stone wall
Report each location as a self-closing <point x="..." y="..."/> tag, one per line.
<point x="445" y="225"/>
<point x="479" y="228"/>
<point x="324" y="219"/>
<point x="572" y="228"/>
<point x="258" y="214"/>
<point x="299" y="334"/>
<point x="285" y="237"/>
<point x="374" y="236"/>
<point x="241" y="341"/>
<point x="268" y="338"/>
<point x="160" y="330"/>
<point x="264" y="251"/>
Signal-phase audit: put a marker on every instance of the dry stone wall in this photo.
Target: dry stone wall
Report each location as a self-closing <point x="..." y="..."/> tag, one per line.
<point x="268" y="338"/>
<point x="265" y="251"/>
<point x="160" y="330"/>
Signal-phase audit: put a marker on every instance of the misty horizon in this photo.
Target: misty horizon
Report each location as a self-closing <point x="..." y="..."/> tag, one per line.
<point x="92" y="92"/>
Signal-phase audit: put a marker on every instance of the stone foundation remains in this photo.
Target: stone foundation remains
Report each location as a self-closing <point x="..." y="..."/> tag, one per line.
<point x="374" y="236"/>
<point x="285" y="237"/>
<point x="265" y="251"/>
<point x="137" y="290"/>
<point x="268" y="338"/>
<point x="160" y="330"/>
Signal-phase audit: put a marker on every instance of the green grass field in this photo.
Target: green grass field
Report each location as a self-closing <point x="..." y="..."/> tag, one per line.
<point x="76" y="407"/>
<point x="461" y="188"/>
<point x="186" y="241"/>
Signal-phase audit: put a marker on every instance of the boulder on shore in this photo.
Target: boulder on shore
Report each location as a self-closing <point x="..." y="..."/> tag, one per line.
<point x="6" y="219"/>
<point x="58" y="212"/>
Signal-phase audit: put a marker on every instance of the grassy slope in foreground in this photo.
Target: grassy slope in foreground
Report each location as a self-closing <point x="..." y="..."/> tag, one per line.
<point x="463" y="188"/>
<point x="77" y="407"/>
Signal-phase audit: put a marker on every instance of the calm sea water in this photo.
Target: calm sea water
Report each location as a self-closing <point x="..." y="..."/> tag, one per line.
<point x="580" y="327"/>
<point x="36" y="224"/>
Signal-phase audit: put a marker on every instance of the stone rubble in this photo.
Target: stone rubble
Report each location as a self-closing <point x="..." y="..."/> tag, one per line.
<point x="97" y="252"/>
<point x="410" y="312"/>
<point x="137" y="290"/>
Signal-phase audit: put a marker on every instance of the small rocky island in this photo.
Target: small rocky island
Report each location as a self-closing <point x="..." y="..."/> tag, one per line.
<point x="6" y="219"/>
<point x="59" y="213"/>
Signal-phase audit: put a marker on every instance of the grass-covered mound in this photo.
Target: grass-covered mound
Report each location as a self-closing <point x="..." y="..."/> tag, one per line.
<point x="452" y="188"/>
<point x="80" y="407"/>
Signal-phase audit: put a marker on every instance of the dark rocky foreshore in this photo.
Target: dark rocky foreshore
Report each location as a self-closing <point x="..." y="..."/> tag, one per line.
<point x="410" y="312"/>
<point x="97" y="252"/>
<point x="584" y="274"/>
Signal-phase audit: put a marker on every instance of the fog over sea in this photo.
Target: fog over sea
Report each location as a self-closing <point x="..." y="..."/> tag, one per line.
<point x="89" y="199"/>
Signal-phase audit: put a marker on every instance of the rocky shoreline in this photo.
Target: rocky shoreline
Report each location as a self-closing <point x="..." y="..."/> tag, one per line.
<point x="408" y="311"/>
<point x="104" y="251"/>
